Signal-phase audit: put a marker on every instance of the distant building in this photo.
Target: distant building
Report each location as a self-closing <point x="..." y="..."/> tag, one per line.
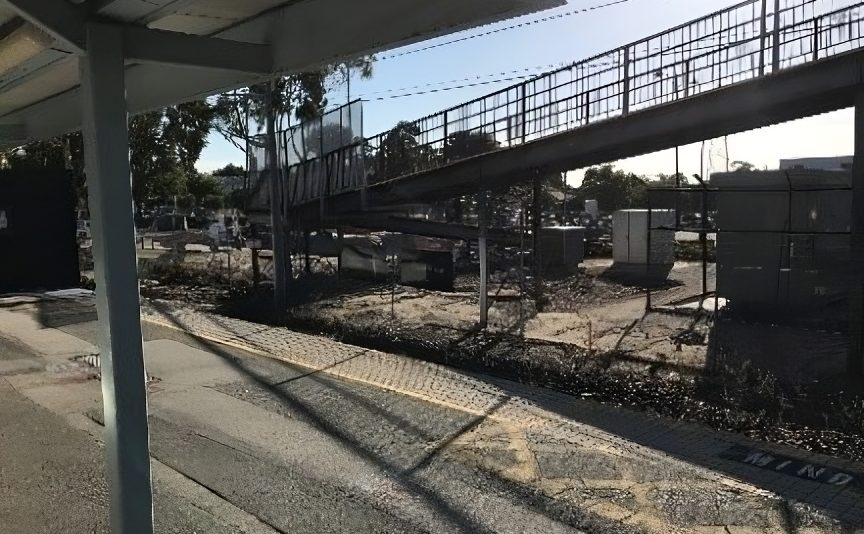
<point x="834" y="163"/>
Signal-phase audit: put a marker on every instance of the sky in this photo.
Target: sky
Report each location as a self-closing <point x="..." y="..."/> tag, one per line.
<point x="540" y="47"/>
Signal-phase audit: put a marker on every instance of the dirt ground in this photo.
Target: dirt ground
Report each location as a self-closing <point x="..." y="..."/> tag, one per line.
<point x="586" y="310"/>
<point x="597" y="310"/>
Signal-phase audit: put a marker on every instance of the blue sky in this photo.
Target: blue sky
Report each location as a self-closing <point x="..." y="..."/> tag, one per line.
<point x="537" y="48"/>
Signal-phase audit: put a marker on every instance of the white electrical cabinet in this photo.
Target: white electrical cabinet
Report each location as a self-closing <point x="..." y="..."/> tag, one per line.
<point x="630" y="237"/>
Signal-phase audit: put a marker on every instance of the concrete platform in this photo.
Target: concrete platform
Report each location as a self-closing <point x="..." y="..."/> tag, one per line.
<point x="259" y="429"/>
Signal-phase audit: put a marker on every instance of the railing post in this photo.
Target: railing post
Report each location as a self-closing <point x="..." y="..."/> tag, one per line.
<point x="815" y="38"/>
<point x="524" y="111"/>
<point x="763" y="29"/>
<point x="775" y="45"/>
<point x="446" y="133"/>
<point x="686" y="78"/>
<point x="626" y="96"/>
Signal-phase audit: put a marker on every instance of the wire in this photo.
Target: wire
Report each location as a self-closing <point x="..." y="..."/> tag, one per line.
<point x="551" y="68"/>
<point x="541" y="68"/>
<point x="450" y="88"/>
<point x="506" y="28"/>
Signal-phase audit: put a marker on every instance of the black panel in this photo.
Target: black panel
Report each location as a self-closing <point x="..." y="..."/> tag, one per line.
<point x="38" y="248"/>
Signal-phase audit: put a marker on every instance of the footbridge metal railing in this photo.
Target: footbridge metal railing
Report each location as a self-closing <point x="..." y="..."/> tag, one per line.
<point x="746" y="41"/>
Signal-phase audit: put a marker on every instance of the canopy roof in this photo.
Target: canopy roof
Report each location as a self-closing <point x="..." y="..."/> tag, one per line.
<point x="179" y="50"/>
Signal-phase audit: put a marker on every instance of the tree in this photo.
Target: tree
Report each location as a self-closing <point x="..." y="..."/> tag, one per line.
<point x="229" y="170"/>
<point x="240" y="114"/>
<point x="683" y="202"/>
<point x="163" y="149"/>
<point x="464" y="144"/>
<point x="669" y="180"/>
<point x="613" y="189"/>
<point x="400" y="152"/>
<point x="62" y="152"/>
<point x="743" y="166"/>
<point x="204" y="189"/>
<point x="186" y="127"/>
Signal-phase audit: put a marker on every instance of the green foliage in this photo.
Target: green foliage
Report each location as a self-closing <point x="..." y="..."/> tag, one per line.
<point x="164" y="147"/>
<point x="201" y="186"/>
<point x="242" y="113"/>
<point x="464" y="144"/>
<point x="743" y="166"/>
<point x="230" y="170"/>
<point x="686" y="203"/>
<point x="213" y="202"/>
<point x="62" y="152"/>
<point x="235" y="199"/>
<point x="509" y="203"/>
<point x="668" y="180"/>
<point x="401" y="153"/>
<point x="185" y="129"/>
<point x="613" y="189"/>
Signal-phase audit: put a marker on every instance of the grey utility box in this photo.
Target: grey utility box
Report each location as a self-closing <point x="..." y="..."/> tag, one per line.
<point x="781" y="240"/>
<point x="562" y="247"/>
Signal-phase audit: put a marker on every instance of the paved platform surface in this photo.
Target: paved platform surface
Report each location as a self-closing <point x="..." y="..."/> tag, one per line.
<point x="320" y="436"/>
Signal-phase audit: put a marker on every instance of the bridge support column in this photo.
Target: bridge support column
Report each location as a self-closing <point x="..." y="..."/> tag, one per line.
<point x="855" y="359"/>
<point x="109" y="186"/>
<point x="536" y="244"/>
<point x="484" y="267"/>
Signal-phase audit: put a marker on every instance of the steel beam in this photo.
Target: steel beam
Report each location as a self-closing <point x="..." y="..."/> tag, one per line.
<point x="175" y="48"/>
<point x="59" y="18"/>
<point x="855" y="359"/>
<point x="66" y="23"/>
<point x="124" y="393"/>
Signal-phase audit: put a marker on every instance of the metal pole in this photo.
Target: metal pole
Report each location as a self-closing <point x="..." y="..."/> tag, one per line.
<point x="306" y="237"/>
<point x="763" y="28"/>
<point x="626" y="96"/>
<point x="564" y="199"/>
<point x="816" y="39"/>
<point x="704" y="237"/>
<point x="855" y="359"/>
<point x="124" y="392"/>
<point x="444" y="154"/>
<point x="775" y="44"/>
<point x="256" y="268"/>
<point x="280" y="293"/>
<point x="677" y="194"/>
<point x="524" y="112"/>
<point x="521" y="265"/>
<point x="248" y="176"/>
<point x="484" y="273"/>
<point x="686" y="78"/>
<point x="536" y="230"/>
<point x="648" y="256"/>
<point x="340" y="236"/>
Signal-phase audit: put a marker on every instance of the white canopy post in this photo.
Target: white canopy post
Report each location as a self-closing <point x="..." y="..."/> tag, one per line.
<point x="109" y="184"/>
